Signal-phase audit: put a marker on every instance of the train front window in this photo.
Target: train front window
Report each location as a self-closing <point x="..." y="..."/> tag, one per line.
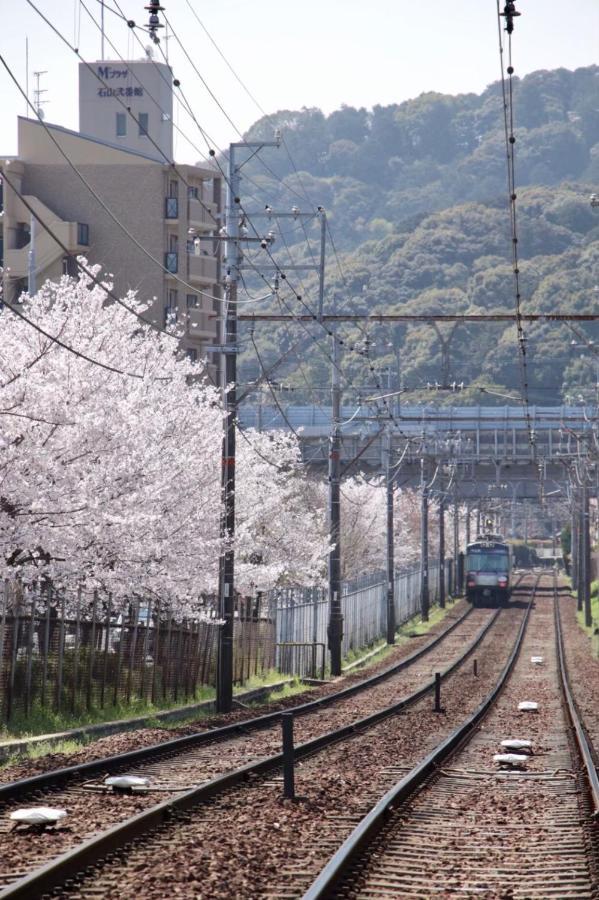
<point x="487" y="561"/>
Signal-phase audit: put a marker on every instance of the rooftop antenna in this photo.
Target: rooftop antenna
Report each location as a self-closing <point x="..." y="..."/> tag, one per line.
<point x="37" y="93"/>
<point x="167" y="38"/>
<point x="27" y="76"/>
<point x="154" y="24"/>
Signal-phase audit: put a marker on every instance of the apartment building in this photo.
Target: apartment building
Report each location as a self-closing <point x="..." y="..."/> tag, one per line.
<point x="152" y="226"/>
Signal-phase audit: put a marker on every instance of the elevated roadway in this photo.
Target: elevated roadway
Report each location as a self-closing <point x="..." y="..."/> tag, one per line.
<point x="489" y="446"/>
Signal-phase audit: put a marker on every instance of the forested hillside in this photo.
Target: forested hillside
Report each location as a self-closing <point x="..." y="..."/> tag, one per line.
<point x="417" y="200"/>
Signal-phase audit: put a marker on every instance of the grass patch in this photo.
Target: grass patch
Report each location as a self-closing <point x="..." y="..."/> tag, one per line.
<point x="288" y="690"/>
<point x="259" y="681"/>
<point x="594" y="627"/>
<point x="67" y="748"/>
<point x="414" y="627"/>
<point x="47" y="721"/>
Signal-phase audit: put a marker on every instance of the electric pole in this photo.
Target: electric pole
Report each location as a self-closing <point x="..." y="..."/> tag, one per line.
<point x="456" y="546"/>
<point x="580" y="578"/>
<point x="228" y="382"/>
<point x="574" y="543"/>
<point x="335" y="627"/>
<point x="424" y="591"/>
<point x="389" y="483"/>
<point x="228" y="378"/>
<point x="588" y="619"/>
<point x="31" y="265"/>
<point x="442" y="552"/>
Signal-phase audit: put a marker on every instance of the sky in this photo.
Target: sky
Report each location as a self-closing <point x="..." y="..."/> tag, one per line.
<point x="291" y="54"/>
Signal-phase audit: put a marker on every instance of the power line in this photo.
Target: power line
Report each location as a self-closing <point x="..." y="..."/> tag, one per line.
<point x="510" y="141"/>
<point x="65" y="346"/>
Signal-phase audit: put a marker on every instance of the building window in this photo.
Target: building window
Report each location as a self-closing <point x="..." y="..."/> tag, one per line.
<point x="83" y="234"/>
<point x="121" y="124"/>
<point x="69" y="266"/>
<point x="192" y="301"/>
<point x="171" y="262"/>
<point x="171" y="309"/>
<point x="193" y="192"/>
<point x="192" y="354"/>
<point x="143" y="124"/>
<point x="173" y="242"/>
<point x="170" y="316"/>
<point x="171" y="208"/>
<point x="173" y="188"/>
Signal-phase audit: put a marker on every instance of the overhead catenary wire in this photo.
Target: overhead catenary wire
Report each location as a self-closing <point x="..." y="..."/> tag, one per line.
<point x="510" y="141"/>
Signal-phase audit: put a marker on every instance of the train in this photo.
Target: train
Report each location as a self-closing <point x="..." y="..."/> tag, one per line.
<point x="488" y="570"/>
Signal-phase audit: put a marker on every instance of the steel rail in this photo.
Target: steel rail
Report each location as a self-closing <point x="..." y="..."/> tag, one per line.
<point x="584" y="746"/>
<point x="334" y="871"/>
<point x="57" y="777"/>
<point x="54" y="873"/>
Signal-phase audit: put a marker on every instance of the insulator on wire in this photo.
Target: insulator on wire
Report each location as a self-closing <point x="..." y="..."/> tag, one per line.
<point x="154" y="24"/>
<point x="509" y="14"/>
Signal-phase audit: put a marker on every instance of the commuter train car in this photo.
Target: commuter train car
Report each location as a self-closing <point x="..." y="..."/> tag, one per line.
<point x="488" y="570"/>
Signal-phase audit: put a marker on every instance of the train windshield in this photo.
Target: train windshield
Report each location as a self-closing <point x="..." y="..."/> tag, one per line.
<point x="487" y="560"/>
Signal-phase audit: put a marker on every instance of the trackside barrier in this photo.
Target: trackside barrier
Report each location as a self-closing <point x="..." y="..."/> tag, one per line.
<point x="301" y="614"/>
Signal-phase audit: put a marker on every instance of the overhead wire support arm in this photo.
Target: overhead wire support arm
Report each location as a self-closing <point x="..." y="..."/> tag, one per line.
<point x="379" y="318"/>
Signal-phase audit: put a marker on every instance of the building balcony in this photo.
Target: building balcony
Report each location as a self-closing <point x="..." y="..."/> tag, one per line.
<point x="73" y="235"/>
<point x="202" y="214"/>
<point x="201" y="324"/>
<point x="202" y="268"/>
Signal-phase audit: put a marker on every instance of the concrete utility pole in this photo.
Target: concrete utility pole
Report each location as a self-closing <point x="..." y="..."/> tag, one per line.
<point x="456" y="546"/>
<point x="588" y="619"/>
<point x="442" y="552"/>
<point x="228" y="378"/>
<point x="424" y="589"/>
<point x="574" y="544"/>
<point x="335" y="627"/>
<point x="581" y="554"/>
<point x="31" y="259"/>
<point x="389" y="483"/>
<point x="228" y="382"/>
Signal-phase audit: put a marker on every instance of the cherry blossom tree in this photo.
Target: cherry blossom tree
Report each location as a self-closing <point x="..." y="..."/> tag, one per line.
<point x="108" y="468"/>
<point x="110" y="461"/>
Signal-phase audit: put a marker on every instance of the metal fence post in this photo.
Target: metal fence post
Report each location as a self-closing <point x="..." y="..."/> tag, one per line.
<point x="119" y="662"/>
<point x="47" y="594"/>
<point x="106" y="648"/>
<point x="2" y="639"/>
<point x="132" y="647"/>
<point x="92" y="652"/>
<point x="60" y="671"/>
<point x="30" y="653"/>
<point x="76" y="657"/>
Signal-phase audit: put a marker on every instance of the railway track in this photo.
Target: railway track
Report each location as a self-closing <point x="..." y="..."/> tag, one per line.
<point x="460" y="825"/>
<point x="172" y="774"/>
